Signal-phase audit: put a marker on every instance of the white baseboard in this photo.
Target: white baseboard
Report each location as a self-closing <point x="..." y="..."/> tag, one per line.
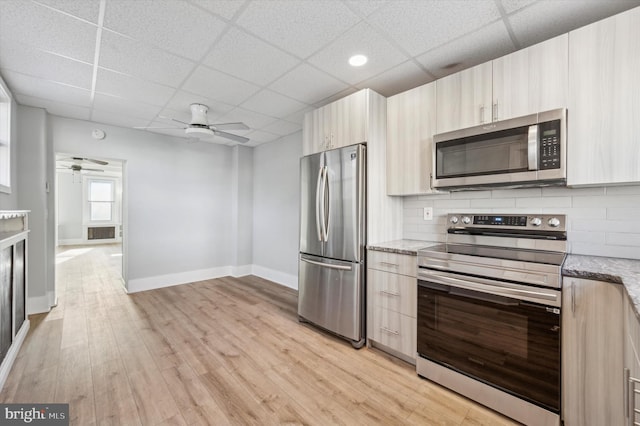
<point x="81" y="242"/>
<point x="160" y="281"/>
<point x="12" y="353"/>
<point x="278" y="277"/>
<point x="38" y="305"/>
<point x="241" y="271"/>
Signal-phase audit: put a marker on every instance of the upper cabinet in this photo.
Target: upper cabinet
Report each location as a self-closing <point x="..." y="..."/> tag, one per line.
<point x="340" y="123"/>
<point x="524" y="82"/>
<point x="604" y="107"/>
<point x="411" y="122"/>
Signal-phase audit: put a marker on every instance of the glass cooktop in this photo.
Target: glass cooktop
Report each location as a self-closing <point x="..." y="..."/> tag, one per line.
<point x="534" y="256"/>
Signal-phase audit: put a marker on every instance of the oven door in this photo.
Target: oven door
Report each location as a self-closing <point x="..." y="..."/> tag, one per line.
<point x="493" y="332"/>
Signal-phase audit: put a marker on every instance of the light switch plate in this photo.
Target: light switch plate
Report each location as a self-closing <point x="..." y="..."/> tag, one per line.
<point x="428" y="213"/>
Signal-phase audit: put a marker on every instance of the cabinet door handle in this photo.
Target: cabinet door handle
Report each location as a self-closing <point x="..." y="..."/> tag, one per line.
<point x="573" y="297"/>
<point x="390" y="293"/>
<point x="388" y="330"/>
<point x="627" y="393"/>
<point x="481" y="114"/>
<point x="392" y="265"/>
<point x="495" y="111"/>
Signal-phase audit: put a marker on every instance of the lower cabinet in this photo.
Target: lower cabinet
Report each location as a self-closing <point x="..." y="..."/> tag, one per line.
<point x="592" y="353"/>
<point x="391" y="303"/>
<point x="631" y="364"/>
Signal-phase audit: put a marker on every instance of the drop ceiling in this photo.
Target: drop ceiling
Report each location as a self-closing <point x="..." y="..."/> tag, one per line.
<point x="264" y="62"/>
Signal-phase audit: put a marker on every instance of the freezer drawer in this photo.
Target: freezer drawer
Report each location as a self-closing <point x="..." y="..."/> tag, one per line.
<point x="331" y="295"/>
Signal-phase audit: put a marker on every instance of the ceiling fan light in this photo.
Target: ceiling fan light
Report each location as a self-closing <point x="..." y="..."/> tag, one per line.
<point x="198" y="131"/>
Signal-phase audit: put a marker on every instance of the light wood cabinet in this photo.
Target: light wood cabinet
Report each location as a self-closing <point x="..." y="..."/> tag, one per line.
<point x="340" y="123"/>
<point x="411" y="124"/>
<point x="525" y="82"/>
<point x="604" y="88"/>
<point x="592" y="353"/>
<point x="391" y="303"/>
<point x="631" y="363"/>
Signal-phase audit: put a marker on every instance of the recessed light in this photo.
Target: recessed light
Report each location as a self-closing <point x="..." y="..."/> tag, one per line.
<point x="358" y="60"/>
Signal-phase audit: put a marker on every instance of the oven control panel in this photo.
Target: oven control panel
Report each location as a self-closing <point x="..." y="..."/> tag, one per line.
<point x="529" y="222"/>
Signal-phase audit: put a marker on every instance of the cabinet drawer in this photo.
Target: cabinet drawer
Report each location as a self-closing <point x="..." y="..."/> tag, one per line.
<point x="394" y="330"/>
<point x="392" y="291"/>
<point x="392" y="262"/>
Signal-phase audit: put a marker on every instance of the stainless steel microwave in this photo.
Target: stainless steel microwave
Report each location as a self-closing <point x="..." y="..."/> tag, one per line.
<point x="524" y="151"/>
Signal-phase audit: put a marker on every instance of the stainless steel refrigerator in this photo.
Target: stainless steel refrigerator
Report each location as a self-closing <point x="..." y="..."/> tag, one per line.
<point x="331" y="273"/>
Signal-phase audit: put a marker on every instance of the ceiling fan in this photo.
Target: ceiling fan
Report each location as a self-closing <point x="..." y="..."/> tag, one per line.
<point x="77" y="167"/>
<point x="199" y="125"/>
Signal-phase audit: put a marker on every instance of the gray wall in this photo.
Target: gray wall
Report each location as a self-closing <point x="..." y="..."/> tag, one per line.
<point x="276" y="205"/>
<point x="242" y="209"/>
<point x="601" y="221"/>
<point x="10" y="201"/>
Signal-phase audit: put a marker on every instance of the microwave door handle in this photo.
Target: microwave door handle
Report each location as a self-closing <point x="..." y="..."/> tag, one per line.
<point x="532" y="147"/>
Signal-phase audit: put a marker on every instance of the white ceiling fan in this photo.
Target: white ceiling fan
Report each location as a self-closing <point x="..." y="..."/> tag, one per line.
<point x="199" y="125"/>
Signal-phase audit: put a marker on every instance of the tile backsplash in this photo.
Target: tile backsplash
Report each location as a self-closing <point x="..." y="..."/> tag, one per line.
<point x="601" y="221"/>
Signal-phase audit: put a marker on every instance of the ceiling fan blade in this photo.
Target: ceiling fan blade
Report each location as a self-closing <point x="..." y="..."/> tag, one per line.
<point x="91" y="160"/>
<point x="231" y="136"/>
<point x="92" y="170"/>
<point x="173" y="119"/>
<point x="230" y="126"/>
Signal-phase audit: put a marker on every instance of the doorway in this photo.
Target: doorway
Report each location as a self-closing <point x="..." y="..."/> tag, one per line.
<point x="90" y="213"/>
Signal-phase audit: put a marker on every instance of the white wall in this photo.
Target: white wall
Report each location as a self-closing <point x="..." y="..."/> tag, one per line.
<point x="69" y="214"/>
<point x="242" y="211"/>
<point x="276" y="206"/>
<point x="601" y="221"/>
<point x="178" y="197"/>
<point x="10" y="201"/>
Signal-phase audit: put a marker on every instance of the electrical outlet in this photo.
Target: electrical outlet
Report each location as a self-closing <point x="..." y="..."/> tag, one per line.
<point x="428" y="213"/>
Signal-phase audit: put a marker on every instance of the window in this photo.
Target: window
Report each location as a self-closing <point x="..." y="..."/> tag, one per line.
<point x="5" y="138"/>
<point x="101" y="199"/>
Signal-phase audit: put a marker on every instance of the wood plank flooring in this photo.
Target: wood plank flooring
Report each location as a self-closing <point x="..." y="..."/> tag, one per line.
<point x="225" y="351"/>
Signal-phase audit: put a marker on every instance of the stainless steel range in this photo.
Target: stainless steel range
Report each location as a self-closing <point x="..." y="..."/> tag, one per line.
<point x="489" y="304"/>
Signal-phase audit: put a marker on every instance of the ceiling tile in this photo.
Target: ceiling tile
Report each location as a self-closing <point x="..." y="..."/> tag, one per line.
<point x="282" y="128"/>
<point x="83" y="9"/>
<point x="300" y="27"/>
<point x="307" y="84"/>
<point x="117" y="118"/>
<point x="47" y="29"/>
<point x="124" y="86"/>
<point x="252" y="119"/>
<point x="361" y="39"/>
<point x="237" y="54"/>
<point x="225" y="8"/>
<point x="173" y="25"/>
<point x="31" y="61"/>
<point x="487" y="43"/>
<point x="258" y="137"/>
<point x="298" y="116"/>
<point x="511" y="6"/>
<point x="273" y="104"/>
<point x="549" y="18"/>
<point x="141" y="60"/>
<point x="216" y="85"/>
<point x="403" y="77"/>
<point x="418" y="26"/>
<point x="180" y="102"/>
<point x="366" y="7"/>
<point x="122" y="106"/>
<point x="55" y="107"/>
<point x="38" y="88"/>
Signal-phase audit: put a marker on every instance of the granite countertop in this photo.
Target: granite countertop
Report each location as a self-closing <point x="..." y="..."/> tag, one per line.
<point x="608" y="269"/>
<point x="409" y="247"/>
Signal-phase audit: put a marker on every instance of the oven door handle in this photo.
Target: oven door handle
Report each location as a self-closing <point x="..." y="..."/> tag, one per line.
<point x="489" y="286"/>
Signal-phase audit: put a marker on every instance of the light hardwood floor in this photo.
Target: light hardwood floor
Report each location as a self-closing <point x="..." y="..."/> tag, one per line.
<point x="224" y="351"/>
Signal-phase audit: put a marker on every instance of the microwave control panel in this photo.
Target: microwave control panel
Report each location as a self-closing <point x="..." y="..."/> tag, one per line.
<point x="549" y="145"/>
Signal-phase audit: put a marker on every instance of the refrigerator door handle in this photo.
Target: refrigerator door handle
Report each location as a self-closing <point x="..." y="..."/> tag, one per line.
<point x="318" y="192"/>
<point x="326" y="197"/>
<point x="327" y="265"/>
